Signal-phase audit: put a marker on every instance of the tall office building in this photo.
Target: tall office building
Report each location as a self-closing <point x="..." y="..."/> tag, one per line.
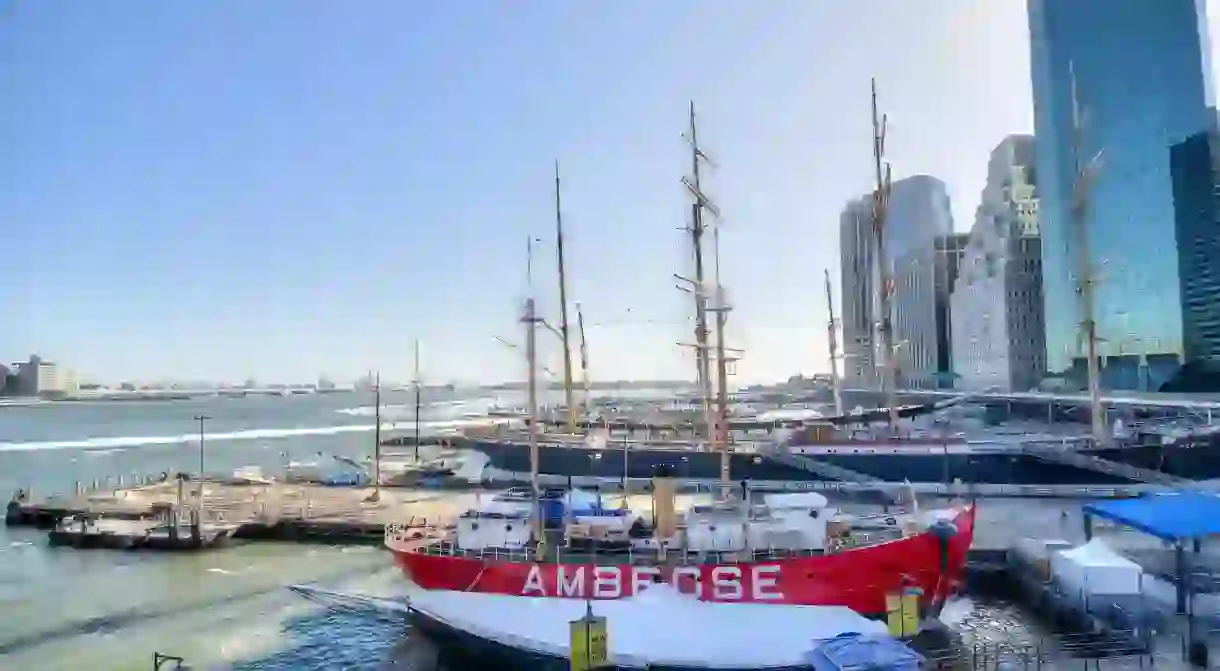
<point x="1143" y="81"/>
<point x="1196" y="196"/>
<point x="997" y="315"/>
<point x="919" y="215"/>
<point x="950" y="251"/>
<point x="857" y="293"/>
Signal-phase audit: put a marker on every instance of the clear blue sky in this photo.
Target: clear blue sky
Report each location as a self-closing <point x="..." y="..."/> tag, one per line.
<point x="222" y="188"/>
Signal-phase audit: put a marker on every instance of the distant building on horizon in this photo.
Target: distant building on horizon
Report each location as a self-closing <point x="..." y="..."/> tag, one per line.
<point x="39" y="377"/>
<point x="1142" y="77"/>
<point x="997" y="314"/>
<point x="918" y="216"/>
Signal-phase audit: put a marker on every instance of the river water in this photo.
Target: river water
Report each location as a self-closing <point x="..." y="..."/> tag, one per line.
<point x="229" y="609"/>
<point x="67" y="609"/>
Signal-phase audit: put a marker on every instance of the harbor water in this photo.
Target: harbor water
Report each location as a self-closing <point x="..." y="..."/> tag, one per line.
<point x="226" y="609"/>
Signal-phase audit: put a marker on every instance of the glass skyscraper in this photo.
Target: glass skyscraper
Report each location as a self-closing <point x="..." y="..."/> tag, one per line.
<point x="1143" y="82"/>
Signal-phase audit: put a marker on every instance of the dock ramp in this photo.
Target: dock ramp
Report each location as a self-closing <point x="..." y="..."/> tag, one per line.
<point x="1061" y="453"/>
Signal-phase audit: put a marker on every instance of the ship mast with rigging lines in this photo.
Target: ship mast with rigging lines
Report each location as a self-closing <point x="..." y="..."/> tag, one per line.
<point x="716" y="416"/>
<point x="880" y="212"/>
<point x="832" y="341"/>
<point x="1085" y="174"/>
<point x="563" y="311"/>
<point x="695" y="287"/>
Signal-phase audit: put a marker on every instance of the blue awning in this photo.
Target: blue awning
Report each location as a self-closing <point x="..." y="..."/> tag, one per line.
<point x="1170" y="516"/>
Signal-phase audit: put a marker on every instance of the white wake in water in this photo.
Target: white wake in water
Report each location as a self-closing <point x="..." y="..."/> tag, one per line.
<point x="248" y="434"/>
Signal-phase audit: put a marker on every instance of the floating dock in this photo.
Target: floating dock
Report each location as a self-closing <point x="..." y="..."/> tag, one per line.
<point x="162" y="516"/>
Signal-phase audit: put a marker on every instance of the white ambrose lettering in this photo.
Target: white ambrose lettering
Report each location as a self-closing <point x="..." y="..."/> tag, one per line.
<point x="764" y="585"/>
<point x="607" y="582"/>
<point x="533" y="581"/>
<point x="726" y="583"/>
<point x="642" y="577"/>
<point x="693" y="573"/>
<point x="573" y="588"/>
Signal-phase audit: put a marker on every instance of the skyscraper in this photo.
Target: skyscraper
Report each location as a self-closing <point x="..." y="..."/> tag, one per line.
<point x="1142" y="79"/>
<point x="997" y="321"/>
<point x="1196" y="196"/>
<point x="919" y="216"/>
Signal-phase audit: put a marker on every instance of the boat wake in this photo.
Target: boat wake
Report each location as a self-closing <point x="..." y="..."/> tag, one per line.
<point x="119" y="442"/>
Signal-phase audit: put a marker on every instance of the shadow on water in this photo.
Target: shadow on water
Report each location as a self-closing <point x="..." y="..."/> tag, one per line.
<point x="355" y="641"/>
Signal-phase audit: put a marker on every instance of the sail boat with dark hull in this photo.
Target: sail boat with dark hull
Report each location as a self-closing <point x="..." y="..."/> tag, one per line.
<point x="718" y="448"/>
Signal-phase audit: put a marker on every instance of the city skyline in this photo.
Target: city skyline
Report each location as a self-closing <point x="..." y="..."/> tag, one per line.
<point x="254" y="191"/>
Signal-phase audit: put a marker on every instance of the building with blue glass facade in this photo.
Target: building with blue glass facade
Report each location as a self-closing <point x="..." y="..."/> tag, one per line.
<point x="1196" y="196"/>
<point x="1143" y="81"/>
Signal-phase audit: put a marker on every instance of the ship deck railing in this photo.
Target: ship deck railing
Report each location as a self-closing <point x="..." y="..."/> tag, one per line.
<point x="558" y="553"/>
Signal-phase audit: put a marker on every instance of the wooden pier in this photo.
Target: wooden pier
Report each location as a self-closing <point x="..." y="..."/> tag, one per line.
<point x="167" y="515"/>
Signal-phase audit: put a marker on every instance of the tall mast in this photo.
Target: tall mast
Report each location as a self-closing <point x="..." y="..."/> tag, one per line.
<point x="1084" y="177"/>
<point x="881" y="200"/>
<point x="703" y="373"/>
<point x="832" y="341"/>
<point x="722" y="372"/>
<point x="584" y="359"/>
<point x="563" y="310"/>
<point x="530" y="320"/>
<point x="418" y="388"/>
<point x="717" y="421"/>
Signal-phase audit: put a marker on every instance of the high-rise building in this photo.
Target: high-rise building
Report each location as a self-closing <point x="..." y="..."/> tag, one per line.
<point x="1195" y="168"/>
<point x="997" y="314"/>
<point x="857" y="293"/>
<point x="950" y="250"/>
<point x="919" y="214"/>
<point x="1141" y="77"/>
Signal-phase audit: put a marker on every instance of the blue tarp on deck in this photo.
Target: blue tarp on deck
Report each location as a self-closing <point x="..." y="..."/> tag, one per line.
<point x="853" y="652"/>
<point x="1171" y="516"/>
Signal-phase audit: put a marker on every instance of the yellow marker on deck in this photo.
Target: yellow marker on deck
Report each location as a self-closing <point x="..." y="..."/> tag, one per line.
<point x="589" y="642"/>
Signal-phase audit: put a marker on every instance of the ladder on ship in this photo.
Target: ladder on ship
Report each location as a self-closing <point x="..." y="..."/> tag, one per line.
<point x="826" y="470"/>
<point x="1059" y="453"/>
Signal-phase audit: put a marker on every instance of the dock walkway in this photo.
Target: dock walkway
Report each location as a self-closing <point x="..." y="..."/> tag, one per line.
<point x="153" y="515"/>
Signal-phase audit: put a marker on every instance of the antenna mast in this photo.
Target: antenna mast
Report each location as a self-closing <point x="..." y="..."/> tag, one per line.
<point x="1084" y="176"/>
<point x="832" y="341"/>
<point x="563" y="310"/>
<point x="881" y="201"/>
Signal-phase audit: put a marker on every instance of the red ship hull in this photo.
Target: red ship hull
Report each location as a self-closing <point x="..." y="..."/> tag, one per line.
<point x="859" y="578"/>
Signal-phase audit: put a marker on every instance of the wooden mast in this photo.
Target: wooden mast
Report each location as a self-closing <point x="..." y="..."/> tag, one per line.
<point x="584" y="361"/>
<point x="563" y="310"/>
<point x="703" y="372"/>
<point x="832" y="341"/>
<point x="1083" y="181"/>
<point x="881" y="201"/>
<point x="717" y="420"/>
<point x="530" y="320"/>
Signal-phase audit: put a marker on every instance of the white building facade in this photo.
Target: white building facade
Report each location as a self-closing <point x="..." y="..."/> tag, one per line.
<point x="998" y="325"/>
